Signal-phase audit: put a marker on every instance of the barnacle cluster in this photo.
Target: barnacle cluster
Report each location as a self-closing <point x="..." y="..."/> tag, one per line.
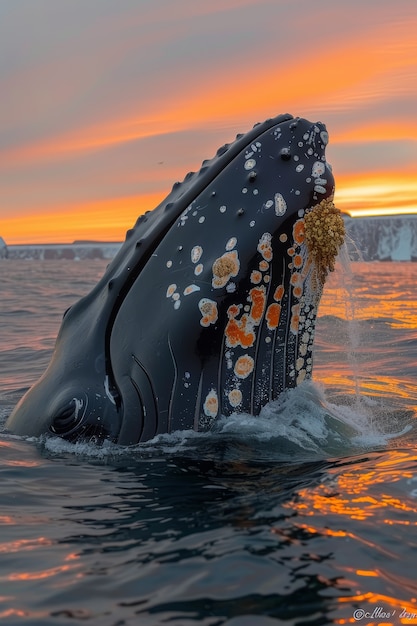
<point x="324" y="234"/>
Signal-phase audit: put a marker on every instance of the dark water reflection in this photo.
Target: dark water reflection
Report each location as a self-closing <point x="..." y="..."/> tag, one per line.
<point x="178" y="541"/>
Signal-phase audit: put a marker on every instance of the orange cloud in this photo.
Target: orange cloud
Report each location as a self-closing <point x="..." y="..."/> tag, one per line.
<point x="106" y="220"/>
<point x="336" y="75"/>
<point x="383" y="193"/>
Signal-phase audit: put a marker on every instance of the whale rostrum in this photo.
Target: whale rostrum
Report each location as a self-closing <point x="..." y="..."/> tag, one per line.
<point x="209" y="307"/>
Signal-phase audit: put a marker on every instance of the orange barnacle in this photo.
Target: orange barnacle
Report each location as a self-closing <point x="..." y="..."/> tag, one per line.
<point x="244" y="366"/>
<point x="208" y="309"/>
<point x="296" y="279"/>
<point x="233" y="311"/>
<point x="295" y="318"/>
<point x="211" y="404"/>
<point x="263" y="266"/>
<point x="279" y="292"/>
<point x="258" y="298"/>
<point x="267" y="253"/>
<point x="264" y="246"/>
<point x="237" y="333"/>
<point x="255" y="277"/>
<point x="224" y="268"/>
<point x="273" y="314"/>
<point x="235" y="397"/>
<point x="298" y="261"/>
<point x="299" y="231"/>
<point x="291" y="251"/>
<point x="297" y="291"/>
<point x="325" y="233"/>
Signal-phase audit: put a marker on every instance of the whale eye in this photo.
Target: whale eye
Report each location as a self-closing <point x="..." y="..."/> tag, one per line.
<point x="285" y="154"/>
<point x="69" y="418"/>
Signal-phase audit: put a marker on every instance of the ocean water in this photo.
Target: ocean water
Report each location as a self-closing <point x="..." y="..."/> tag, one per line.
<point x="306" y="514"/>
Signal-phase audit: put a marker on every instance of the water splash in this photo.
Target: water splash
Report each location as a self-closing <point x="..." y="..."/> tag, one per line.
<point x="302" y="425"/>
<point x="355" y="339"/>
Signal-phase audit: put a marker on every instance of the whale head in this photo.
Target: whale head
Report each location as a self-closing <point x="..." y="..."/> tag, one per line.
<point x="209" y="307"/>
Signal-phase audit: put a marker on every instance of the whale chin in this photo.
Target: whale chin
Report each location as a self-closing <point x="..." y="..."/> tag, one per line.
<point x="74" y="413"/>
<point x="209" y="307"/>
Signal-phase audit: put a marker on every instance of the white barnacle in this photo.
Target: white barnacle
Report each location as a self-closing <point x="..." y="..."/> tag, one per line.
<point x="211" y="404"/>
<point x="231" y="243"/>
<point x="250" y="164"/>
<point x="191" y="289"/>
<point x="171" y="290"/>
<point x="318" y="169"/>
<point x="196" y="253"/>
<point x="280" y="205"/>
<point x="303" y="349"/>
<point x="324" y="136"/>
<point x="299" y="364"/>
<point x="235" y="397"/>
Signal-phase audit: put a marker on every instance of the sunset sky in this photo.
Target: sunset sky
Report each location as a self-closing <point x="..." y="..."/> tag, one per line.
<point x="104" y="104"/>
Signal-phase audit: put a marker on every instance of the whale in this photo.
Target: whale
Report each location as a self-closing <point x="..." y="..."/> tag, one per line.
<point x="209" y="307"/>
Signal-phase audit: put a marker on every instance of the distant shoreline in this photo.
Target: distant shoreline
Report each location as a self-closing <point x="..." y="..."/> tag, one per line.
<point x="77" y="251"/>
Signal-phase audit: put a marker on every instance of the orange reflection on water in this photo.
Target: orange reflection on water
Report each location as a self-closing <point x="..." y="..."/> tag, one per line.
<point x="378" y="605"/>
<point x="380" y="608"/>
<point x="40" y="575"/>
<point x="349" y="494"/>
<point x="330" y="532"/>
<point x="12" y="613"/>
<point x="24" y="544"/>
<point x="15" y="462"/>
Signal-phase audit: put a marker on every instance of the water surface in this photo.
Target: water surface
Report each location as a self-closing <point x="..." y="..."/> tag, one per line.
<point x="306" y="514"/>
